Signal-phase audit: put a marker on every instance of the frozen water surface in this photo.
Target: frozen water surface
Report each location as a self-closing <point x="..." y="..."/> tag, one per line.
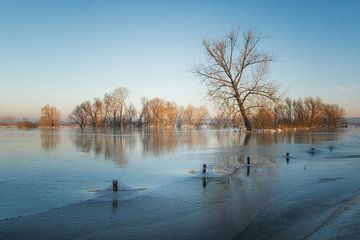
<point x="55" y="184"/>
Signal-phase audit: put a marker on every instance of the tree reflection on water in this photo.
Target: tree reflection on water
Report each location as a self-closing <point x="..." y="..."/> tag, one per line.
<point x="115" y="145"/>
<point x="50" y="138"/>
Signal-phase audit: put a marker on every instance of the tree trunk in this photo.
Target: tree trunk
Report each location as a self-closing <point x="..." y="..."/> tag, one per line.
<point x="245" y="118"/>
<point x="243" y="112"/>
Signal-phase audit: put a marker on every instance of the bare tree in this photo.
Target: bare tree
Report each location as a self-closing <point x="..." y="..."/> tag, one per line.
<point x="115" y="104"/>
<point x="314" y="107"/>
<point x="199" y="116"/>
<point x="79" y="115"/>
<point x="171" y="114"/>
<point x="333" y="115"/>
<point x="130" y="114"/>
<point x="143" y="118"/>
<point x="189" y="113"/>
<point x="99" y="112"/>
<point x="108" y="102"/>
<point x="50" y="116"/>
<point x="119" y="96"/>
<point x="155" y="112"/>
<point x="300" y="114"/>
<point x="90" y="113"/>
<point x="235" y="74"/>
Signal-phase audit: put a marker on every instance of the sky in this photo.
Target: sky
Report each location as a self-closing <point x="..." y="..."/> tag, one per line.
<point x="65" y="52"/>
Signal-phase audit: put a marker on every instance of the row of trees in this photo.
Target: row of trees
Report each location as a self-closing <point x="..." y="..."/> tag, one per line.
<point x="113" y="110"/>
<point x="160" y="113"/>
<point x="309" y="112"/>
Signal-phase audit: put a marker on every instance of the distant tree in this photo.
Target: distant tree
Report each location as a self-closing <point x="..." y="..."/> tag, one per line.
<point x="199" y="116"/>
<point x="50" y="116"/>
<point x="120" y="95"/>
<point x="155" y="112"/>
<point x="171" y="114"/>
<point x="115" y="104"/>
<point x="264" y="118"/>
<point x="87" y="107"/>
<point x="79" y="115"/>
<point x="130" y="114"/>
<point x="333" y="115"/>
<point x="222" y="119"/>
<point x="300" y="114"/>
<point x="189" y="115"/>
<point x="99" y="112"/>
<point x="283" y="113"/>
<point x="108" y="116"/>
<point x="313" y="107"/>
<point x="143" y="117"/>
<point x="235" y="74"/>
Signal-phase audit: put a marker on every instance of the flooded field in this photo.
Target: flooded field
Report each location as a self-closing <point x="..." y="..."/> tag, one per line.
<point x="56" y="184"/>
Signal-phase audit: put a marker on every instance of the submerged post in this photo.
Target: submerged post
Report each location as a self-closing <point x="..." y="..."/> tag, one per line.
<point x="204" y="168"/>
<point x="287" y="157"/>
<point x="115" y="185"/>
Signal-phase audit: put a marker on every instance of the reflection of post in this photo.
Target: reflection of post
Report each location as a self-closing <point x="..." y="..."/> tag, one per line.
<point x="115" y="204"/>
<point x="204" y="182"/>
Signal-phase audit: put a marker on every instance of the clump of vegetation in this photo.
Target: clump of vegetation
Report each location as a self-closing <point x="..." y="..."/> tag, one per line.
<point x="26" y="124"/>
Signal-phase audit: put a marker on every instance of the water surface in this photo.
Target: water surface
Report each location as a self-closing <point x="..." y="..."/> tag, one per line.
<point x="43" y="169"/>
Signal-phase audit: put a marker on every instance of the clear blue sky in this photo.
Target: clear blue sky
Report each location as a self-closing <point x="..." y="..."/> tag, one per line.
<point x="64" y="52"/>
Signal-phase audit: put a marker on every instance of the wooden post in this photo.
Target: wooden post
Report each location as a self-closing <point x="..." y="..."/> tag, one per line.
<point x="248" y="160"/>
<point x="287" y="157"/>
<point x="204" y="169"/>
<point x="115" y="185"/>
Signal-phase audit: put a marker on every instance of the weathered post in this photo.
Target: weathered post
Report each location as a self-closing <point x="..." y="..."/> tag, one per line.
<point x="248" y="161"/>
<point x="115" y="185"/>
<point x="204" y="169"/>
<point x="287" y="157"/>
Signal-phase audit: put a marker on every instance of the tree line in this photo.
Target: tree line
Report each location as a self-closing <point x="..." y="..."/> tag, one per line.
<point x="308" y="112"/>
<point x="113" y="110"/>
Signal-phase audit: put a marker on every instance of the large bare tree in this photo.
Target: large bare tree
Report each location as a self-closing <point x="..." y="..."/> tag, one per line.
<point x="236" y="73"/>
